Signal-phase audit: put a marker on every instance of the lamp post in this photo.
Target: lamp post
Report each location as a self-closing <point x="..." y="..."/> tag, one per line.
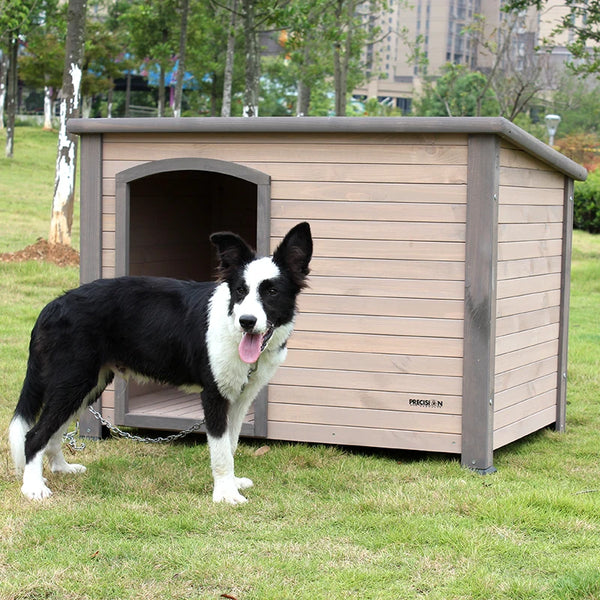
<point x="552" y="122"/>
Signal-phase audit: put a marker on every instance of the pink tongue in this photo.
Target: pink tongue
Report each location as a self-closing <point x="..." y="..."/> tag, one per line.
<point x="249" y="347"/>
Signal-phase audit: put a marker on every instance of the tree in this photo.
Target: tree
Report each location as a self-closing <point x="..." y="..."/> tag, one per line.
<point x="64" y="185"/>
<point x="41" y="64"/>
<point x="582" y="21"/>
<point x="185" y="9"/>
<point x="14" y="20"/>
<point x="456" y="94"/>
<point x="153" y="29"/>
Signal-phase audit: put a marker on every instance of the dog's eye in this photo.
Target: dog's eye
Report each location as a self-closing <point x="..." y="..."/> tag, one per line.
<point x="241" y="291"/>
<point x="272" y="291"/>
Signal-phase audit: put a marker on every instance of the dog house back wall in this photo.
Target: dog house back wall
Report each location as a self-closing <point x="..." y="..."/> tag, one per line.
<point x="437" y="313"/>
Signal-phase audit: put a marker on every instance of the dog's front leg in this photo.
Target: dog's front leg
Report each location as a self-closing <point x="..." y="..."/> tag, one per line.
<point x="221" y="459"/>
<point x="216" y="412"/>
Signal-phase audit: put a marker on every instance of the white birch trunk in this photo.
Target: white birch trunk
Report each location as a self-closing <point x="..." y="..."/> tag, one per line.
<point x="66" y="163"/>
<point x="47" y="108"/>
<point x="3" y="75"/>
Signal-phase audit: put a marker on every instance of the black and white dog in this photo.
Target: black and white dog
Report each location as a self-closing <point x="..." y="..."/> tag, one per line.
<point x="226" y="338"/>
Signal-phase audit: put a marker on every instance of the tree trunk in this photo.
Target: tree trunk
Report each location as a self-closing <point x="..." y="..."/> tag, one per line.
<point x="47" y="108"/>
<point x="3" y="73"/>
<point x="161" y="92"/>
<point x="229" y="59"/>
<point x="128" y="93"/>
<point x="64" y="186"/>
<point x="11" y="94"/>
<point x="185" y="6"/>
<point x="252" y="61"/>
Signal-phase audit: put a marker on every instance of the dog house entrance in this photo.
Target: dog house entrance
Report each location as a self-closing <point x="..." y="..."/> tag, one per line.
<point x="166" y="211"/>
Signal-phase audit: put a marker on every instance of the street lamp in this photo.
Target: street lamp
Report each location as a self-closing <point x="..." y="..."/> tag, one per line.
<point x="552" y="122"/>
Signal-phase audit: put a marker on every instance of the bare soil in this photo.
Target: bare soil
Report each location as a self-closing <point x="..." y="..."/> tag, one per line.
<point x="61" y="255"/>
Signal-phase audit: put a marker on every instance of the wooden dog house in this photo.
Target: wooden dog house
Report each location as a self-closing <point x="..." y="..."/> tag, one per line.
<point x="437" y="313"/>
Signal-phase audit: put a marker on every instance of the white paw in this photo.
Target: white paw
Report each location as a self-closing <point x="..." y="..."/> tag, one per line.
<point x="36" y="491"/>
<point x="68" y="468"/>
<point x="228" y="494"/>
<point x="243" y="483"/>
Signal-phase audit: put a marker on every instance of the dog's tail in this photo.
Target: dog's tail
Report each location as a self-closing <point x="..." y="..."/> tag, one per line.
<point x="26" y="412"/>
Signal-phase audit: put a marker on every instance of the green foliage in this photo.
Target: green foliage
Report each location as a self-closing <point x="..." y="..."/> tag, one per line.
<point x="457" y="93"/>
<point x="586" y="209"/>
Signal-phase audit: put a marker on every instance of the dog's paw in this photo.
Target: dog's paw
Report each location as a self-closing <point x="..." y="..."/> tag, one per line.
<point x="243" y="483"/>
<point x="36" y="491"/>
<point x="68" y="468"/>
<point x="228" y="493"/>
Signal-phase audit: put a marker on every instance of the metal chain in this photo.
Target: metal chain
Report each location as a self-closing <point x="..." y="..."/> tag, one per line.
<point x="158" y="440"/>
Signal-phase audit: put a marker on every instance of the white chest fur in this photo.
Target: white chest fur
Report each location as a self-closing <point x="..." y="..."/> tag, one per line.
<point x="236" y="380"/>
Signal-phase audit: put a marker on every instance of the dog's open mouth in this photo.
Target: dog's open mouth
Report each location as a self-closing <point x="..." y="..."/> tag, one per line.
<point x="252" y="344"/>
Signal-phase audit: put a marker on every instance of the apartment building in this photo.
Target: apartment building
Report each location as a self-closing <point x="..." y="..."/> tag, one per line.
<point x="420" y="36"/>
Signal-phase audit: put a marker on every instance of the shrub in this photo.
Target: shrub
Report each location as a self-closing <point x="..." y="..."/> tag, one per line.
<point x="586" y="211"/>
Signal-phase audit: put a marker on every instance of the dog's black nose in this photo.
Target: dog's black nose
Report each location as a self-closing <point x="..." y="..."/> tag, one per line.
<point x="247" y="322"/>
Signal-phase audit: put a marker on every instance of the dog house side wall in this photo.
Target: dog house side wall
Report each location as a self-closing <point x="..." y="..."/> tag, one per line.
<point x="534" y="230"/>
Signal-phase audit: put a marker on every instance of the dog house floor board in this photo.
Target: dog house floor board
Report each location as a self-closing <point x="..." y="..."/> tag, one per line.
<point x="173" y="409"/>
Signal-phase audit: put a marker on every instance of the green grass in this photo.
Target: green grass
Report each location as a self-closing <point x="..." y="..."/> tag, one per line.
<point x="27" y="188"/>
<point x="322" y="522"/>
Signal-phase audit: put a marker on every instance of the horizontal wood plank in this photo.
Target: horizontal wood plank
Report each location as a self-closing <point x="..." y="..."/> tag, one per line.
<point x="385" y="344"/>
<point x="522" y="195"/>
<point x="390" y="249"/>
<point x="394" y="269"/>
<point x="369" y="192"/>
<point x="369" y="211"/>
<point x="528" y="285"/>
<point x="392" y="307"/>
<point x="524" y="339"/>
<point x="531" y="178"/>
<point x="525" y="373"/>
<point x="362" y="380"/>
<point x="522" y="356"/>
<point x="369" y="419"/>
<point x="367" y="230"/>
<point x="520" y="304"/>
<point x="529" y="249"/>
<point x="290" y="152"/>
<point x="519" y="393"/>
<point x="392" y="288"/>
<point x="520" y="429"/>
<point x="527" y="321"/>
<point x="508" y="213"/>
<point x="510" y="269"/>
<point x="374" y="362"/>
<point x="517" y="232"/>
<point x="361" y="436"/>
<point x="523" y="410"/>
<point x="364" y="399"/>
<point x="393" y="326"/>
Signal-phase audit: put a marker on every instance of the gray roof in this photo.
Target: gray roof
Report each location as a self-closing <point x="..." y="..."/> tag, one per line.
<point x="468" y="125"/>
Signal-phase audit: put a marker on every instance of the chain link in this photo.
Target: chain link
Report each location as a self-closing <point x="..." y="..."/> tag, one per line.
<point x="69" y="438"/>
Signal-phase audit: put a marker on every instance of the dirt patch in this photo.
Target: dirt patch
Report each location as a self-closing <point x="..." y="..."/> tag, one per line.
<point x="61" y="255"/>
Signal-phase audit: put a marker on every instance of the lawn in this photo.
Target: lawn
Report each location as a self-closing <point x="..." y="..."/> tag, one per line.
<point x="322" y="522"/>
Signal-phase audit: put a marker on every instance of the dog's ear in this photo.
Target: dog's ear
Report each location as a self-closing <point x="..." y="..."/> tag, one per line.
<point x="294" y="253"/>
<point x="232" y="252"/>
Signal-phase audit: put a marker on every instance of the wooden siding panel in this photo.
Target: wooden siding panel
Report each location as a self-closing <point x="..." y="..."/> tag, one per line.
<point x="523" y="427"/>
<point x="379" y="306"/>
<point x="369" y="192"/>
<point x="365" y="399"/>
<point x="360" y="436"/>
<point x="527" y="320"/>
<point x="513" y="305"/>
<point x="364" y="419"/>
<point x="529" y="249"/>
<point x="523" y="356"/>
<point x="525" y="197"/>
<point x="368" y="211"/>
<point x="374" y="362"/>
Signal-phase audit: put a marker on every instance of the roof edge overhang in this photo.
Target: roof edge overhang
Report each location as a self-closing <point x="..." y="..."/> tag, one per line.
<point x="419" y="125"/>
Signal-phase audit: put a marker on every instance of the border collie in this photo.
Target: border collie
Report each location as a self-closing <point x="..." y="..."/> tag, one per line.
<point x="225" y="338"/>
